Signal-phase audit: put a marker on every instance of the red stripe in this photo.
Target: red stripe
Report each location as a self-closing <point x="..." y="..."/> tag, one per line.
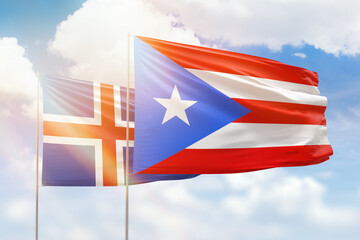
<point x="108" y="139"/>
<point x="209" y="59"/>
<point x="279" y="112"/>
<point x="206" y="161"/>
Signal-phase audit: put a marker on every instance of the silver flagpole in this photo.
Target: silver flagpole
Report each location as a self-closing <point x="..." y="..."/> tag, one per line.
<point x="37" y="163"/>
<point x="127" y="146"/>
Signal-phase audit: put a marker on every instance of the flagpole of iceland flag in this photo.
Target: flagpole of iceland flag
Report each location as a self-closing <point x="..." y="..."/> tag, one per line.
<point x="200" y="110"/>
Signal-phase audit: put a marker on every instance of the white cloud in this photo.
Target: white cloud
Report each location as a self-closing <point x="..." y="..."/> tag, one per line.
<point x="81" y="233"/>
<point x="271" y="202"/>
<point x="180" y="194"/>
<point x="18" y="81"/>
<point x="326" y="175"/>
<point x="6" y="112"/>
<point x="300" y="55"/>
<point x="286" y="195"/>
<point x="95" y="37"/>
<point x="268" y="205"/>
<point x="29" y="109"/>
<point x="330" y="25"/>
<point x="20" y="163"/>
<point x="18" y="210"/>
<point x="24" y="161"/>
<point x="16" y="76"/>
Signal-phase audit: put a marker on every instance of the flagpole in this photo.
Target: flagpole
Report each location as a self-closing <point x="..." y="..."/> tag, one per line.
<point x="127" y="146"/>
<point x="37" y="162"/>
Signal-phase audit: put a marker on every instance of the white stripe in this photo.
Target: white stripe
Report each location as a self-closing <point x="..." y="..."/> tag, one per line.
<point x="117" y="105"/>
<point x="96" y="120"/>
<point x="251" y="135"/>
<point x="97" y="143"/>
<point x="245" y="87"/>
<point x="120" y="144"/>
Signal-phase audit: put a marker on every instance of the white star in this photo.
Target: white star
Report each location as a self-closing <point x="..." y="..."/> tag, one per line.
<point x="175" y="106"/>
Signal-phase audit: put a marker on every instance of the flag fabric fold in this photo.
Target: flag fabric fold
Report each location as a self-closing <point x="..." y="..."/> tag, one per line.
<point x="247" y="113"/>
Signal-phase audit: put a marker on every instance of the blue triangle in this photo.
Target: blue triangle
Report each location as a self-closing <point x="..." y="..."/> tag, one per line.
<point x="155" y="77"/>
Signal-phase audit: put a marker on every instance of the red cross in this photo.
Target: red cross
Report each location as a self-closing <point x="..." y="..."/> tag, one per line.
<point x="107" y="132"/>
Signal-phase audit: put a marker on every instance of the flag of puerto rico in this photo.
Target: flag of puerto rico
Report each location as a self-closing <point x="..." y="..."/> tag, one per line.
<point x="201" y="110"/>
<point x="84" y="134"/>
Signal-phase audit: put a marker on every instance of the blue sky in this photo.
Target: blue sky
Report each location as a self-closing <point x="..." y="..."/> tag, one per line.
<point x="88" y="42"/>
